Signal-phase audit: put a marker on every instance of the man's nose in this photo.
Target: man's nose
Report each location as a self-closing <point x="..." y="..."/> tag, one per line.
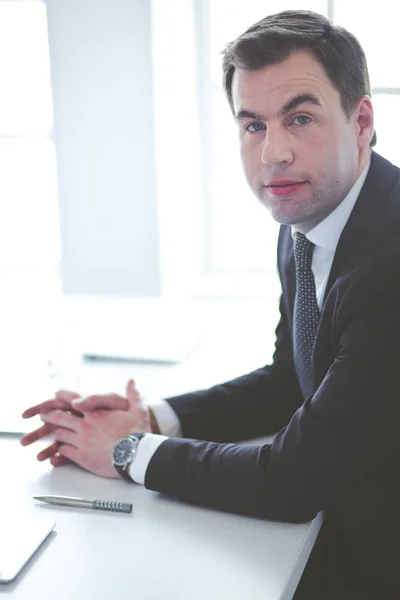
<point x="276" y="148"/>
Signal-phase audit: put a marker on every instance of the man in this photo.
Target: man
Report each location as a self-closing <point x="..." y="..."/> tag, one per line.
<point x="299" y="89"/>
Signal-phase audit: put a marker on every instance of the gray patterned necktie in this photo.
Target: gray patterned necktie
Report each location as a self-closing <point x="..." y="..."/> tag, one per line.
<point x="306" y="313"/>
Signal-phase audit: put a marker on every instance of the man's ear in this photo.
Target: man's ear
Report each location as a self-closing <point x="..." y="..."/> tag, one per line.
<point x="364" y="116"/>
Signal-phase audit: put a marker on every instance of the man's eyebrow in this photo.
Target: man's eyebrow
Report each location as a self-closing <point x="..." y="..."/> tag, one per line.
<point x="248" y="114"/>
<point x="289" y="106"/>
<point x="297" y="100"/>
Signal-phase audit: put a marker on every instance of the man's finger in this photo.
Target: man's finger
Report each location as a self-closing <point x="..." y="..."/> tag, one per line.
<point x="65" y="436"/>
<point x="66" y="395"/>
<point x="62" y="418"/>
<point x="58" y="461"/>
<point x="70" y="453"/>
<point x="100" y="401"/>
<point x="132" y="394"/>
<point x="46" y="406"/>
<point x="48" y="452"/>
<point x="37" y="434"/>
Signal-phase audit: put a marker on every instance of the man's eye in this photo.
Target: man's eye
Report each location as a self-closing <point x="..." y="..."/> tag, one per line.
<point x="253" y="127"/>
<point x="301" y="120"/>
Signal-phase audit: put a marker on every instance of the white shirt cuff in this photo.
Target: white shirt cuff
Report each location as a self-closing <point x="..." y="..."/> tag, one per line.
<point x="166" y="418"/>
<point x="144" y="453"/>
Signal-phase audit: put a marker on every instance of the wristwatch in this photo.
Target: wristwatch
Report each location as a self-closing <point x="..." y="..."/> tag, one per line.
<point x="124" y="454"/>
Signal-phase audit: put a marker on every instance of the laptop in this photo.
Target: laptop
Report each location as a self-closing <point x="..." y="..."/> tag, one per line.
<point x="21" y="536"/>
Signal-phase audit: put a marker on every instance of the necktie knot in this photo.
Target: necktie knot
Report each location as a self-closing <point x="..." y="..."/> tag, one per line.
<point x="303" y="252"/>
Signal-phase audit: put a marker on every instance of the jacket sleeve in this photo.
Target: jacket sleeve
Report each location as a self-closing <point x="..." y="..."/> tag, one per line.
<point x="333" y="442"/>
<point x="259" y="403"/>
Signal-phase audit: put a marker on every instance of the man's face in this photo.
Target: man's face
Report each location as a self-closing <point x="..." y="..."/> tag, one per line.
<point x="301" y="154"/>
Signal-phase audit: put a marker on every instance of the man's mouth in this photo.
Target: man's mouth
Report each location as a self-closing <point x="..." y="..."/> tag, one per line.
<point x="284" y="187"/>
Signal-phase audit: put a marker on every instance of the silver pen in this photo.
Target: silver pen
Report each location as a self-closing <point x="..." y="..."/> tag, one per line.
<point x="83" y="503"/>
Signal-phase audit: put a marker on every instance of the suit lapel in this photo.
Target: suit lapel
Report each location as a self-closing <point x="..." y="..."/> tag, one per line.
<point x="370" y="221"/>
<point x="287" y="269"/>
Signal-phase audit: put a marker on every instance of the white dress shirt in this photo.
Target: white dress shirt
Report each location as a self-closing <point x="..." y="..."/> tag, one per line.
<point x="325" y="237"/>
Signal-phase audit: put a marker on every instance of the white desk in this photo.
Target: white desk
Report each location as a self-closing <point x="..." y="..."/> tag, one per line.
<point x="164" y="549"/>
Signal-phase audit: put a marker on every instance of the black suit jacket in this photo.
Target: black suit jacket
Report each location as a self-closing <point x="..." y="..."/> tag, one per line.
<point x="337" y="450"/>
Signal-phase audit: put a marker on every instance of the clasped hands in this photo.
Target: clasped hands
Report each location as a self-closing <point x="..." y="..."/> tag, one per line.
<point x="85" y="430"/>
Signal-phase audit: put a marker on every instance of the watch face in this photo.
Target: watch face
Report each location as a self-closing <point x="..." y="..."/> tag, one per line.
<point x="123" y="452"/>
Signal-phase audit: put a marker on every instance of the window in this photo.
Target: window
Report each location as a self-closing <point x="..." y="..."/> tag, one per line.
<point x="378" y="35"/>
<point x="29" y="232"/>
<point x="240" y="236"/>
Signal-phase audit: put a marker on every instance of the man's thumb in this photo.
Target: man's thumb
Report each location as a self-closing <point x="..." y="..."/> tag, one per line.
<point x="132" y="393"/>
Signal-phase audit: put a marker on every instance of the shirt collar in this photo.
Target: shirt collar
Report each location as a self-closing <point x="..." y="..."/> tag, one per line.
<point x="327" y="233"/>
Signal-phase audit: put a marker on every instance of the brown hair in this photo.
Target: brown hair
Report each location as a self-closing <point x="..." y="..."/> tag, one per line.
<point x="275" y="37"/>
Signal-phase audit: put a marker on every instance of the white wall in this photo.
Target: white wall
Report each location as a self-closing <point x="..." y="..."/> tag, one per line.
<point x="100" y="54"/>
<point x="125" y="93"/>
<point x="180" y="190"/>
